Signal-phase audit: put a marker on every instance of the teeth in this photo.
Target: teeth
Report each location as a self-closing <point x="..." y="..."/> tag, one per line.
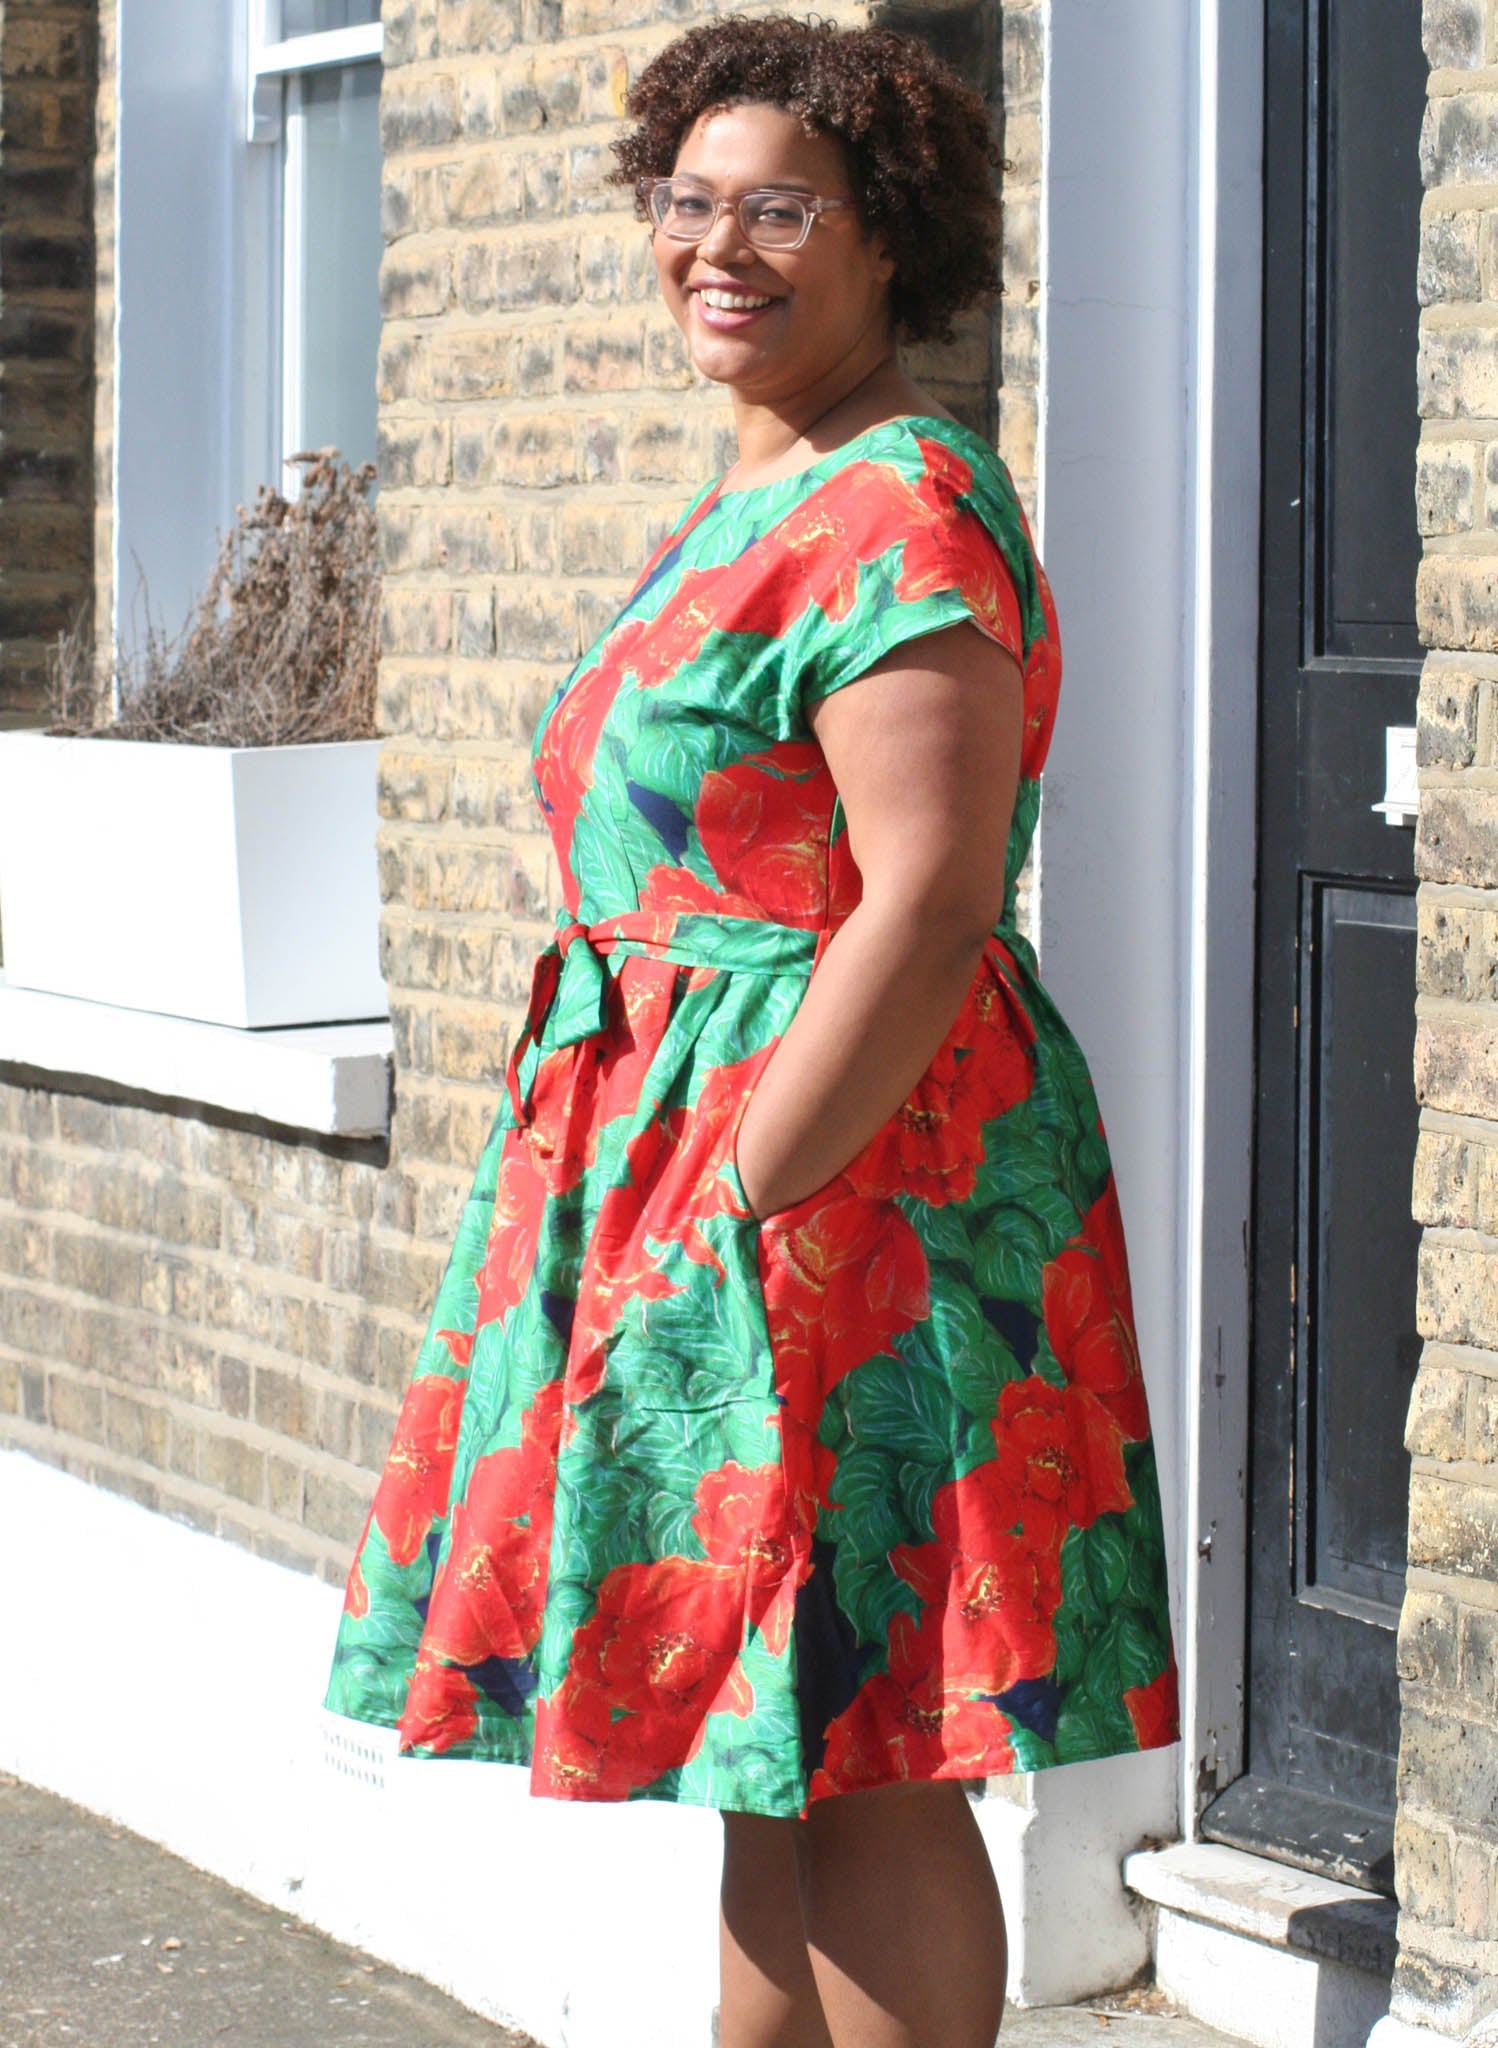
<point x="733" y="302"/>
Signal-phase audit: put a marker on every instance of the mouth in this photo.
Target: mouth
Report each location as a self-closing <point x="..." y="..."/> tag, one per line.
<point x="729" y="308"/>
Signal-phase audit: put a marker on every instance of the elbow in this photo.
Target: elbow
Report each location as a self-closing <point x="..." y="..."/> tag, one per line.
<point x="969" y="920"/>
<point x="955" y="914"/>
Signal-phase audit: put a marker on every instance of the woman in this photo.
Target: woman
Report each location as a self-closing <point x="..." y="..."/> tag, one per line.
<point x="779" y="1441"/>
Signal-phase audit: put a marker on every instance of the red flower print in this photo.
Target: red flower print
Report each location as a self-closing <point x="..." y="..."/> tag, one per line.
<point x="356" y="1592"/>
<point x="668" y="889"/>
<point x="1089" y="1316"/>
<point x="564" y="764"/>
<point x="619" y="1266"/>
<point x="694" y="1186"/>
<point x="844" y="882"/>
<point x="744" y="1520"/>
<point x="933" y="1145"/>
<point x="639" y="1009"/>
<point x="842" y="1277"/>
<point x="950" y="545"/>
<point x="664" y="1639"/>
<point x="997" y="1616"/>
<point x="830" y="537"/>
<point x="458" y="1344"/>
<point x="514" y="1232"/>
<point x="657" y="1656"/>
<point x="1154" y="1709"/>
<point x="577" y="1761"/>
<point x="441" y="1707"/>
<point x="993" y="1591"/>
<point x="651" y="651"/>
<point x="489" y="1597"/>
<point x="915" y="1720"/>
<point x="579" y="1089"/>
<point x="737" y="1509"/>
<point x="815" y="553"/>
<point x="1042" y="679"/>
<point x="1061" y="1453"/>
<point x="763" y="824"/>
<point x="760" y="593"/>
<point x="849" y="522"/>
<point x="675" y="1183"/>
<point x="413" y="1487"/>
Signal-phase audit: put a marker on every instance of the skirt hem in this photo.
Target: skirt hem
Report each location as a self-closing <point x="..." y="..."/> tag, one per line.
<point x="468" y="1752"/>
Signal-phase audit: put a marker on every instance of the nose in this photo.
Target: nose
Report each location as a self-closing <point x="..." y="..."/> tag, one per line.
<point x="725" y="237"/>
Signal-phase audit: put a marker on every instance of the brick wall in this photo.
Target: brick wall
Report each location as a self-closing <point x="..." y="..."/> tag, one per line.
<point x="46" y="353"/>
<point x="1446" y="1840"/>
<point x="220" y="1320"/>
<point x="214" y="1320"/>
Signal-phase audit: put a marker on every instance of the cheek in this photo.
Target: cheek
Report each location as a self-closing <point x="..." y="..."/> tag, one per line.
<point x="670" y="271"/>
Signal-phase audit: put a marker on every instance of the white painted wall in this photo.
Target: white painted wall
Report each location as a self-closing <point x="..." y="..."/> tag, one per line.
<point x="1224" y="619"/>
<point x="1117" y="367"/>
<point x="212" y="1740"/>
<point x="1118" y="362"/>
<point x="208" y="1735"/>
<point x="1149" y="501"/>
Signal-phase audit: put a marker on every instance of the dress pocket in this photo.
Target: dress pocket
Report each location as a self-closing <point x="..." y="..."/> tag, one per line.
<point x="793" y="1212"/>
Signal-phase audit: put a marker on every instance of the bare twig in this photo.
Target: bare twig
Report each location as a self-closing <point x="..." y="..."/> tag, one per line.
<point x="280" y="648"/>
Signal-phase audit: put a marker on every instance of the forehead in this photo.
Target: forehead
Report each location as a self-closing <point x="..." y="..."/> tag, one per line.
<point x="736" y="148"/>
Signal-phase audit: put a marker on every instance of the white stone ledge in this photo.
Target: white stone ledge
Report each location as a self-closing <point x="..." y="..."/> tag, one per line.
<point x="333" y="1079"/>
<point x="1267" y="1901"/>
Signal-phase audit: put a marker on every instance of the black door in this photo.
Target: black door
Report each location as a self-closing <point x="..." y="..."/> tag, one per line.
<point x="1334" y="1342"/>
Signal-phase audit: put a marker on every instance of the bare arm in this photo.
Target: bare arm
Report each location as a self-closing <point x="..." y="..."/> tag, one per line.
<point x="925" y="752"/>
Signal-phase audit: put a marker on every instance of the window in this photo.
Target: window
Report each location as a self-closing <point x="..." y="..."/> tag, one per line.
<point x="314" y="83"/>
<point x="247" y="260"/>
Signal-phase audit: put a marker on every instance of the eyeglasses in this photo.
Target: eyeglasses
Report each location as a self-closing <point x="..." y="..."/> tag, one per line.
<point x="768" y="220"/>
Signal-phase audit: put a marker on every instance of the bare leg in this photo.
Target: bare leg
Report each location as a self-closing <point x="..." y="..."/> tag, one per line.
<point x="903" y="1919"/>
<point x="769" y="1996"/>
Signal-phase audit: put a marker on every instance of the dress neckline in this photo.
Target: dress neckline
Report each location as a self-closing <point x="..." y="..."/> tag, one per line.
<point x="833" y="457"/>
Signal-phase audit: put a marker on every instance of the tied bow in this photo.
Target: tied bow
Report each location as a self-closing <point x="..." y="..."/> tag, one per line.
<point x="581" y="1013"/>
<point x="569" y="997"/>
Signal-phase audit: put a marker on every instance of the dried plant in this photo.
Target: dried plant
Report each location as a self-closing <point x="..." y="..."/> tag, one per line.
<point x="279" y="649"/>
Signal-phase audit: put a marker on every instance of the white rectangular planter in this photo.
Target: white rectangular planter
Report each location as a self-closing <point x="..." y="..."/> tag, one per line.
<point x="236" y="885"/>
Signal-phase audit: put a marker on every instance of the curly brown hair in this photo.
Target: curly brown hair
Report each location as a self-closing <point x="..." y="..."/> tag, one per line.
<point x="920" y="148"/>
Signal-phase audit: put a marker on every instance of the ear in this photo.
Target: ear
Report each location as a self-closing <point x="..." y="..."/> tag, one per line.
<point x="884" y="262"/>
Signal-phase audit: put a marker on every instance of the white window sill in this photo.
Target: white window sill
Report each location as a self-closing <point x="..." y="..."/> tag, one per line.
<point x="330" y="1078"/>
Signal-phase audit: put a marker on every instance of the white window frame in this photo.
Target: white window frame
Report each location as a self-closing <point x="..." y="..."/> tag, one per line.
<point x="276" y="67"/>
<point x="274" y="57"/>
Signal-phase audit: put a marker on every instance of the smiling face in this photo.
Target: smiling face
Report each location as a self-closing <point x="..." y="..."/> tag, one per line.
<point x="774" y="323"/>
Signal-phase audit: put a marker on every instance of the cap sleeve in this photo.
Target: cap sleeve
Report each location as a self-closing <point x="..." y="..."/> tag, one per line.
<point x="904" y="543"/>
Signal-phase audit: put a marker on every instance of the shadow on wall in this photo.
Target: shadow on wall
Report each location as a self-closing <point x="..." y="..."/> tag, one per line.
<point x="967" y="35"/>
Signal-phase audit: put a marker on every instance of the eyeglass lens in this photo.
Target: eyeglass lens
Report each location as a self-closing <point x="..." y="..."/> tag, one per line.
<point x="687" y="213"/>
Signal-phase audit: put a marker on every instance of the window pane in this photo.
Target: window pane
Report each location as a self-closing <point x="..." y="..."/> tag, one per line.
<point x="341" y="248"/>
<point x="311" y="17"/>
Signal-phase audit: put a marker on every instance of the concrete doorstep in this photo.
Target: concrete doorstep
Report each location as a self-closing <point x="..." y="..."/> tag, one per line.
<point x="113" y="1942"/>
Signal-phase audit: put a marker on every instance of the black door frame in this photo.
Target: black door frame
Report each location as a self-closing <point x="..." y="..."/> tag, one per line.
<point x="1261" y="1810"/>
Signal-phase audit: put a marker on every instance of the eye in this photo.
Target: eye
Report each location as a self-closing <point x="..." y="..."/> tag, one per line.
<point x="688" y="205"/>
<point x="780" y="213"/>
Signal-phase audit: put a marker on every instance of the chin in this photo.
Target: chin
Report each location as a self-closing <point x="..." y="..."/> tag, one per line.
<point x="721" y="368"/>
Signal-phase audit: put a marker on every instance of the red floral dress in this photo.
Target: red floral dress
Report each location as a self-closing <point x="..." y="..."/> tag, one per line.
<point x="685" y="1505"/>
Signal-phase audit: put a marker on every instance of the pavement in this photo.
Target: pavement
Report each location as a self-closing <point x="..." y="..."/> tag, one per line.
<point x="110" y="1941"/>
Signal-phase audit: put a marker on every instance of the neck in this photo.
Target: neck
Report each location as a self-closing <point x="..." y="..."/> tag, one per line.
<point x="770" y="429"/>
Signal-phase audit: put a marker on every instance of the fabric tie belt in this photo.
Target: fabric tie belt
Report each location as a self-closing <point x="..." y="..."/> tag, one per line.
<point x="570" y="984"/>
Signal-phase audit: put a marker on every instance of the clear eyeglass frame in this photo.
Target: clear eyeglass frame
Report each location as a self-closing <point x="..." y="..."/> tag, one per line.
<point x="661" y="199"/>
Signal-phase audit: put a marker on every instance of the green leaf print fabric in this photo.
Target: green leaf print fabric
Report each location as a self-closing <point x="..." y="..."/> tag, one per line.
<point x="686" y="1505"/>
